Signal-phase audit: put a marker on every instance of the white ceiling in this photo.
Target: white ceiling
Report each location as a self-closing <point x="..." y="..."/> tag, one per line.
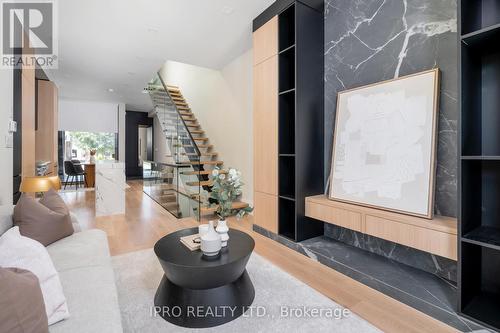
<point x="120" y="44"/>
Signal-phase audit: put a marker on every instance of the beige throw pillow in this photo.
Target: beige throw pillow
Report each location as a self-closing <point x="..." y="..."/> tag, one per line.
<point x="46" y="221"/>
<point x="21" y="302"/>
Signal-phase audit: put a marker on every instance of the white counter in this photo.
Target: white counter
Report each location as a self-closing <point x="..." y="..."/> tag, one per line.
<point x="110" y="186"/>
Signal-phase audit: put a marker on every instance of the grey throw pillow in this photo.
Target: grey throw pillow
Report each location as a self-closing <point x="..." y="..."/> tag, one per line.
<point x="21" y="302"/>
<point x="46" y="221"/>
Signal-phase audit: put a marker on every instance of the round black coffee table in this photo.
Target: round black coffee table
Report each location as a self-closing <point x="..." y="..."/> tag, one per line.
<point x="199" y="292"/>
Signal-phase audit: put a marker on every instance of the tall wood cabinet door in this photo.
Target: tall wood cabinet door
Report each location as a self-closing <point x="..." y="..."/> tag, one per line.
<point x="266" y="211"/>
<point x="55" y="157"/>
<point x="28" y="123"/>
<point x="265" y="41"/>
<point x="266" y="126"/>
<point x="46" y="133"/>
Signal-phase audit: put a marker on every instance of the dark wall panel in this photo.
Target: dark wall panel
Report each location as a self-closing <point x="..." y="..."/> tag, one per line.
<point x="133" y="120"/>
<point x="372" y="41"/>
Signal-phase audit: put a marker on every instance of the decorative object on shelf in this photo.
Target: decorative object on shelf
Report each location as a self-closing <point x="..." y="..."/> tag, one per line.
<point x="226" y="189"/>
<point x="202" y="229"/>
<point x="384" y="145"/>
<point x="211" y="241"/>
<point x="222" y="229"/>
<point x="92" y="155"/>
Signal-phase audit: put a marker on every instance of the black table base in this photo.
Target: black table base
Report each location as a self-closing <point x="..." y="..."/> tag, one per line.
<point x="202" y="308"/>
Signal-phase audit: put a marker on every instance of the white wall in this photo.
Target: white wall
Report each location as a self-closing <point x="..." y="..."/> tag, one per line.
<point x="6" y="99"/>
<point x="222" y="102"/>
<point x="86" y="116"/>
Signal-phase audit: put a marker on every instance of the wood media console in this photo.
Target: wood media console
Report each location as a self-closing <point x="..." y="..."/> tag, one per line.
<point x="437" y="236"/>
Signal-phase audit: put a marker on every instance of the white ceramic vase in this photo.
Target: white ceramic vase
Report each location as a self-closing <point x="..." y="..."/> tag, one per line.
<point x="211" y="241"/>
<point x="92" y="159"/>
<point x="222" y="230"/>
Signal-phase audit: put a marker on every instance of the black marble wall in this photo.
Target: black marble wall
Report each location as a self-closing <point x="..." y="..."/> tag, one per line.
<point x="442" y="267"/>
<point x="369" y="41"/>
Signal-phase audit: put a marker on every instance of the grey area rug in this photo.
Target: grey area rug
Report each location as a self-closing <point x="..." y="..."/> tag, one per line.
<point x="138" y="274"/>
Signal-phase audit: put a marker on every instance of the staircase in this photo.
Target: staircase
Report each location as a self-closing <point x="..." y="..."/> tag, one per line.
<point x="191" y="158"/>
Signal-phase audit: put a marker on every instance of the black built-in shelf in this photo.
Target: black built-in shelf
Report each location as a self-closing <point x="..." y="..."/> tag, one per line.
<point x="286" y="178"/>
<point x="287" y="70"/>
<point x="286" y="213"/>
<point x="478" y="14"/>
<point x="300" y="112"/>
<point x="479" y="171"/>
<point x="286" y="123"/>
<point x="286" y="26"/>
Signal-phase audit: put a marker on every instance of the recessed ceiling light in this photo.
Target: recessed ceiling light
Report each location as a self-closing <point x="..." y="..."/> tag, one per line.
<point x="228" y="10"/>
<point x="153" y="29"/>
<point x="111" y="90"/>
<point x="130" y="73"/>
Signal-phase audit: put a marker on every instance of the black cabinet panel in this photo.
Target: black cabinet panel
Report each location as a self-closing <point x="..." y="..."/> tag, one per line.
<point x="132" y="122"/>
<point x="479" y="14"/>
<point x="479" y="179"/>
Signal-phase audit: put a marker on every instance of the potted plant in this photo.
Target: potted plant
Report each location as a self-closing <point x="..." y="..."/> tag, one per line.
<point x="226" y="189"/>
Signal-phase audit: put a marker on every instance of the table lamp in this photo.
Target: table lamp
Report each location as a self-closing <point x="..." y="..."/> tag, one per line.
<point x="40" y="184"/>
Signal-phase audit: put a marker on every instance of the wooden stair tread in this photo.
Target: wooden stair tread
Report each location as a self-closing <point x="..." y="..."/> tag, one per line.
<point x="199" y="146"/>
<point x="202" y="154"/>
<point x="202" y="172"/>
<point x="197" y="131"/>
<point x="200" y="139"/>
<point x="211" y="210"/>
<point x="200" y="183"/>
<point x="194" y="126"/>
<point x="205" y="162"/>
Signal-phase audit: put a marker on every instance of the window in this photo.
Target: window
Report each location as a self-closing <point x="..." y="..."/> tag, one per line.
<point x="78" y="145"/>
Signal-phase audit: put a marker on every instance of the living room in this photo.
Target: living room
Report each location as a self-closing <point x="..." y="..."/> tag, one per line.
<point x="301" y="166"/>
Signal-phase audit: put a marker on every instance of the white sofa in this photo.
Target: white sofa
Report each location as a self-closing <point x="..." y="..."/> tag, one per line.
<point x="84" y="265"/>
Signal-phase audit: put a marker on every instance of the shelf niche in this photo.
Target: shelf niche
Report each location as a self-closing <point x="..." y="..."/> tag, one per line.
<point x="480" y="284"/>
<point x="286" y="218"/>
<point x="479" y="14"/>
<point x="480" y="208"/>
<point x="287" y="123"/>
<point x="287" y="70"/>
<point x="286" y="28"/>
<point x="287" y="176"/>
<point x="480" y="101"/>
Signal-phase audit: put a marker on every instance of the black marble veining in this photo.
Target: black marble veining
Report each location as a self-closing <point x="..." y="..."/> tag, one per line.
<point x="421" y="290"/>
<point x="440" y="266"/>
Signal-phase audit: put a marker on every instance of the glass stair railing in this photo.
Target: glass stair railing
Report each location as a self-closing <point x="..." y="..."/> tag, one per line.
<point x="177" y="180"/>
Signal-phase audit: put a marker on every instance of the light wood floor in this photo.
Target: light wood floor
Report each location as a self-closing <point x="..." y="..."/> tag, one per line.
<point x="145" y="222"/>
